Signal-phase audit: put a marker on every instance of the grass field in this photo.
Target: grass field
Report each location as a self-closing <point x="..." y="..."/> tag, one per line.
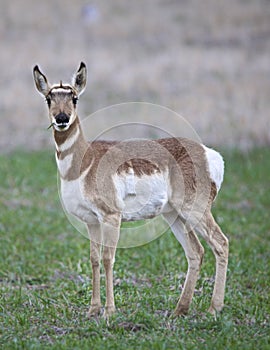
<point x="45" y="276"/>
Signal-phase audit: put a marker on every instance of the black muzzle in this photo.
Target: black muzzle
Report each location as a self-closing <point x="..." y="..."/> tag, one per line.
<point x="62" y="118"/>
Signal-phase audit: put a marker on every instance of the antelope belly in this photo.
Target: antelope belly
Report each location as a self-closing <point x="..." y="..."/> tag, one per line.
<point x="146" y="198"/>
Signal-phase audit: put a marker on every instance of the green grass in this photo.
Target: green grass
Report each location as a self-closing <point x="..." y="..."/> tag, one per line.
<point x="45" y="276"/>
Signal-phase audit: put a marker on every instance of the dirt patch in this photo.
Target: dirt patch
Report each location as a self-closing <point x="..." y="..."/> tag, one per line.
<point x="208" y="61"/>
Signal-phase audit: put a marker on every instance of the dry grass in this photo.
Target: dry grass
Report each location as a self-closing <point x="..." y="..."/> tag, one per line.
<point x="208" y="61"/>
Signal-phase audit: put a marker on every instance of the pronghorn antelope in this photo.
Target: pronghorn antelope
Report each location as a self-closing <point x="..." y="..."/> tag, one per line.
<point x="104" y="183"/>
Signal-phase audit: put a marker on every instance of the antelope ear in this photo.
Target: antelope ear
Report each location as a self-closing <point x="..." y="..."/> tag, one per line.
<point x="41" y="81"/>
<point x="79" y="79"/>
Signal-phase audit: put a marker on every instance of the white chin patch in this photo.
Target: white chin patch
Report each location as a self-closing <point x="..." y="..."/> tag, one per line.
<point x="62" y="127"/>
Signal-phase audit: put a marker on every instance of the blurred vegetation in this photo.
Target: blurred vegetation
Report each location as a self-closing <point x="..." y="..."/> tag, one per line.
<point x="208" y="61"/>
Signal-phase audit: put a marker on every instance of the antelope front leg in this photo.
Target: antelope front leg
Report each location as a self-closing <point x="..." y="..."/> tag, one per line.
<point x="108" y="261"/>
<point x="95" y="248"/>
<point x="110" y="239"/>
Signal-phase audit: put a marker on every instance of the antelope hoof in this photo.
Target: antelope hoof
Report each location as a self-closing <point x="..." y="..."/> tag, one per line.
<point x="94" y="311"/>
<point x="214" y="310"/>
<point x="180" y="310"/>
<point x="109" y="311"/>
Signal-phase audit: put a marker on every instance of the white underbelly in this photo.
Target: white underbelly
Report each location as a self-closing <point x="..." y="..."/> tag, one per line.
<point x="145" y="210"/>
<point x="142" y="197"/>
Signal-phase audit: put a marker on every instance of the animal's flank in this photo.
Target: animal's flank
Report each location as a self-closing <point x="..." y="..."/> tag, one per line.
<point x="139" y="166"/>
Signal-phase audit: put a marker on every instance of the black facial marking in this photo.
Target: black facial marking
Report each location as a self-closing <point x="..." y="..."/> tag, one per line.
<point x="49" y="101"/>
<point x="62" y="118"/>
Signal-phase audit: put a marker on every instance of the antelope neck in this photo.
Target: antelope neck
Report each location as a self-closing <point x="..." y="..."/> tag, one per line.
<point x="71" y="147"/>
<point x="65" y="140"/>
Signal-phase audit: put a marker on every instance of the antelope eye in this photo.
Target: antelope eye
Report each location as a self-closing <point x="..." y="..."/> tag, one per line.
<point x="75" y="100"/>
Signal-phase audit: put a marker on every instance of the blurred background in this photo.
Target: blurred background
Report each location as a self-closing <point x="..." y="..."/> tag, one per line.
<point x="207" y="60"/>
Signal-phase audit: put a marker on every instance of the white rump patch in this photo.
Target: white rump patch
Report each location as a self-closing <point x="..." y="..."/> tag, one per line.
<point x="215" y="165"/>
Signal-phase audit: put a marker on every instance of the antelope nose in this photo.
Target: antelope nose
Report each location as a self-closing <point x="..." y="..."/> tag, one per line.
<point x="62" y="118"/>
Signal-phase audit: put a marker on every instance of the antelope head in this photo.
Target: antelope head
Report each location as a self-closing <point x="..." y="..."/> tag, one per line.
<point x="61" y="98"/>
